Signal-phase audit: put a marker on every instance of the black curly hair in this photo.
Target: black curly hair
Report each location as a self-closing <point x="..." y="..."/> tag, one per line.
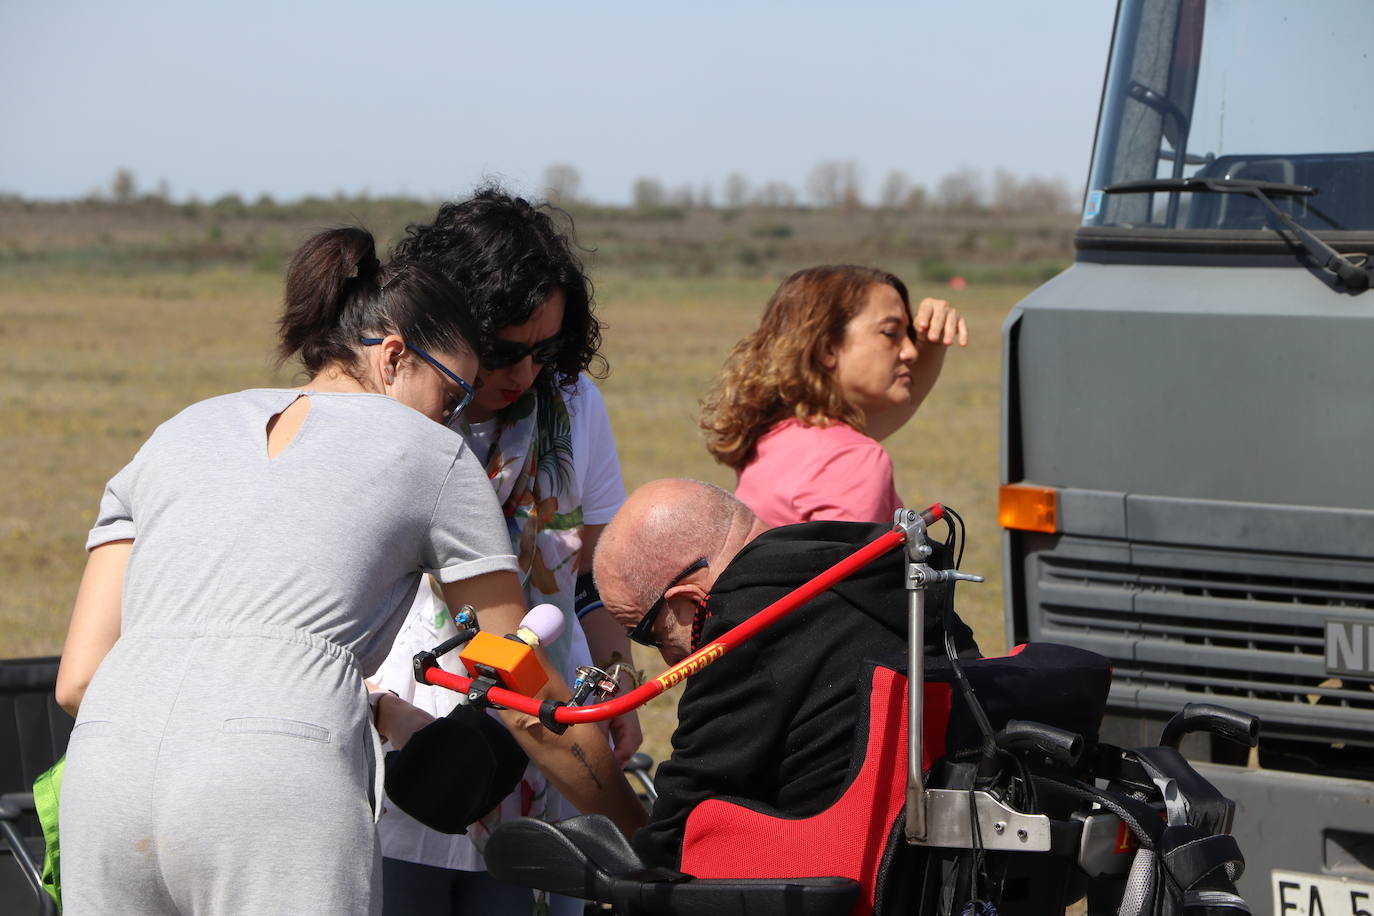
<point x="507" y="255"/>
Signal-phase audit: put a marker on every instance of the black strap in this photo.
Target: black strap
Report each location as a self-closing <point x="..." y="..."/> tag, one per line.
<point x="1134" y="813"/>
<point x="1192" y="861"/>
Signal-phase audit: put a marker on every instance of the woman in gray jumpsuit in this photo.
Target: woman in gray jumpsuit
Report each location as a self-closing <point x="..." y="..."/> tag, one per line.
<point x="248" y="568"/>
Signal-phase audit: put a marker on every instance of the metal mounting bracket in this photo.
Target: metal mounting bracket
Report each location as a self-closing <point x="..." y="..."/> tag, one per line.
<point x="949" y="824"/>
<point x="918" y="576"/>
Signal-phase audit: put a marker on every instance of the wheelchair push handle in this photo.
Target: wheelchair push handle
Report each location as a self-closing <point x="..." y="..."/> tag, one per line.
<point x="1063" y="747"/>
<point x="1222" y="721"/>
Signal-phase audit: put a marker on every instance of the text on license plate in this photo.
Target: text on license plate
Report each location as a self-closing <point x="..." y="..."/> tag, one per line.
<point x="1299" y="894"/>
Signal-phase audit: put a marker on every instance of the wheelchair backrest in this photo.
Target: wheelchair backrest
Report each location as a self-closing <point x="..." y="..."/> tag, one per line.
<point x="738" y="838"/>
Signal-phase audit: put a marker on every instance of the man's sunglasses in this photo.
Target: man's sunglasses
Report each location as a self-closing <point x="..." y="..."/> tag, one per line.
<point x="643" y="632"/>
<point x="454" y="412"/>
<point x="502" y="354"/>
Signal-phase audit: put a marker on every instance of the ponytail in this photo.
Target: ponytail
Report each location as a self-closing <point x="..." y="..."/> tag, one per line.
<point x="326" y="274"/>
<point x="338" y="292"/>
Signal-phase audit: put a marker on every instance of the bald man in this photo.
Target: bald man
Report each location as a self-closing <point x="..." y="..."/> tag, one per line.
<point x="773" y="720"/>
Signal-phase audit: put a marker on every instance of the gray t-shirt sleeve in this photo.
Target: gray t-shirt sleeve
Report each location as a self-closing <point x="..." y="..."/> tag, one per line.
<point x="115" y="520"/>
<point x="468" y="535"/>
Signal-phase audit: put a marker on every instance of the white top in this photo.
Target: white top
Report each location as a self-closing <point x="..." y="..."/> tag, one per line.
<point x="597" y="467"/>
<point x="595" y="461"/>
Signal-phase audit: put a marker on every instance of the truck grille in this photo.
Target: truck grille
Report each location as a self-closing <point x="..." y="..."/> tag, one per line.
<point x="1185" y="625"/>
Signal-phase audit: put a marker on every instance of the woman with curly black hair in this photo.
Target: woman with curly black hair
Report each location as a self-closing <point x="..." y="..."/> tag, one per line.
<point x="512" y="260"/>
<point x="541" y="429"/>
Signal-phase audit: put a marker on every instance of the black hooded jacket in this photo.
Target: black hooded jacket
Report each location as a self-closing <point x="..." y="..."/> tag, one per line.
<point x="773" y="720"/>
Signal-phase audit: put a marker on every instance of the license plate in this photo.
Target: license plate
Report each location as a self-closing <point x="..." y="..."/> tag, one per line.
<point x="1298" y="894"/>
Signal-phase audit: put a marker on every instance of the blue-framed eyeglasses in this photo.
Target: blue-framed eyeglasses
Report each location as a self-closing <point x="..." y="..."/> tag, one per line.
<point x="454" y="412"/>
<point x="643" y="632"/>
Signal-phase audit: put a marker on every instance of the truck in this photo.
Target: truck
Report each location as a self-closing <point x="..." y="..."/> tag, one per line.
<point x="1187" y="460"/>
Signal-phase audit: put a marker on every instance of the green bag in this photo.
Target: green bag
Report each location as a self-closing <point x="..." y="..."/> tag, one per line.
<point x="46" y="789"/>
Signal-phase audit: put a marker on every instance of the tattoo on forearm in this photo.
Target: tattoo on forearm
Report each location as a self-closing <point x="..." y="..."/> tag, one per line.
<point x="582" y="756"/>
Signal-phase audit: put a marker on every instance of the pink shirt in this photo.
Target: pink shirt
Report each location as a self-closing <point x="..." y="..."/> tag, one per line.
<point x="809" y="473"/>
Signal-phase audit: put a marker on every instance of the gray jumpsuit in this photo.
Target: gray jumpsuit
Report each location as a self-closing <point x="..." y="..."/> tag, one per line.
<point x="223" y="760"/>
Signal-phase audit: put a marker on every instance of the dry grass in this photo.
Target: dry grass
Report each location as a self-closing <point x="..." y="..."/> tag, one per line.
<point x="98" y="359"/>
<point x="96" y="362"/>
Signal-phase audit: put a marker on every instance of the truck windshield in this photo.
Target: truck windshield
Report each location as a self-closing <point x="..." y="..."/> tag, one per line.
<point x="1208" y="100"/>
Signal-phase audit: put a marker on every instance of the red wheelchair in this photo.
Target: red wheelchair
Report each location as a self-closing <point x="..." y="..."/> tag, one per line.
<point x="976" y="787"/>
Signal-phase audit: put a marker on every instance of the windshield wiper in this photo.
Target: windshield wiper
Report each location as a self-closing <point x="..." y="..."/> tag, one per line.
<point x="1354" y="276"/>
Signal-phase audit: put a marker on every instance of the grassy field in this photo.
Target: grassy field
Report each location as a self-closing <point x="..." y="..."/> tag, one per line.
<point x="97" y="358"/>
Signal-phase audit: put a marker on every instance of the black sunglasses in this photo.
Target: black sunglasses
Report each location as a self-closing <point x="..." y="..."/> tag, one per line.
<point x="500" y="354"/>
<point x="643" y="632"/>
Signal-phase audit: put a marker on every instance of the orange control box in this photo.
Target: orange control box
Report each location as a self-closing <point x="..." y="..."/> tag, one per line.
<point x="510" y="661"/>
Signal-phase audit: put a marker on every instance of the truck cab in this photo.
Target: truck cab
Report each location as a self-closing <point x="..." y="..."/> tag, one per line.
<point x="1188" y="421"/>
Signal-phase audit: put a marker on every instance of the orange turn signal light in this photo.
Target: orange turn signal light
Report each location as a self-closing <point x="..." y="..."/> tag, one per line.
<point x="1028" y="508"/>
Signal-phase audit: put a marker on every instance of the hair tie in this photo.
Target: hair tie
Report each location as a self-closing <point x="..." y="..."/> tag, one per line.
<point x="367" y="267"/>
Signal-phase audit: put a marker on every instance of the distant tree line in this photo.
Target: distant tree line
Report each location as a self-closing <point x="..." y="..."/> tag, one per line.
<point x="1002" y="228"/>
<point x="832" y="184"/>
<point x="837" y="184"/>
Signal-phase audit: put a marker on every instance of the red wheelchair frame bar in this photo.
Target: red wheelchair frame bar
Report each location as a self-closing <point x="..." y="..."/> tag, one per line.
<point x="598" y="712"/>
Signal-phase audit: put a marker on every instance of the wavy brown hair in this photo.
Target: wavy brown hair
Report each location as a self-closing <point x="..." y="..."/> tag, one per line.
<point x="776" y="372"/>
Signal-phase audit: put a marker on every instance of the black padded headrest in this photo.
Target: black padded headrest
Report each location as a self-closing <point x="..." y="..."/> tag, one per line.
<point x="1063" y="686"/>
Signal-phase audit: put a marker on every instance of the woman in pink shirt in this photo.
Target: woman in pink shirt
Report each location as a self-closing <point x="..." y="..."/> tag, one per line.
<point x="837" y="364"/>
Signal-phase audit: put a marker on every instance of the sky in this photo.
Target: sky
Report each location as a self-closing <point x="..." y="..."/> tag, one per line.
<point x="430" y="98"/>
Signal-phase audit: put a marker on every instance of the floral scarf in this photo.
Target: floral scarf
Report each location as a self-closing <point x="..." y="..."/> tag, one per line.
<point x="531" y="467"/>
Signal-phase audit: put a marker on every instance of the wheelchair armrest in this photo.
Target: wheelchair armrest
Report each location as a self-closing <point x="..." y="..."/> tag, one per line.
<point x="14" y="805"/>
<point x="588" y="857"/>
<point x="602" y="843"/>
<point x="27" y="852"/>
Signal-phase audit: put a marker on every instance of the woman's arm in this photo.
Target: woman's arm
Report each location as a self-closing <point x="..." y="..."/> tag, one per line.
<point x="579" y="761"/>
<point x="95" y="622"/>
<point x="591" y="534"/>
<point x="938" y="326"/>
